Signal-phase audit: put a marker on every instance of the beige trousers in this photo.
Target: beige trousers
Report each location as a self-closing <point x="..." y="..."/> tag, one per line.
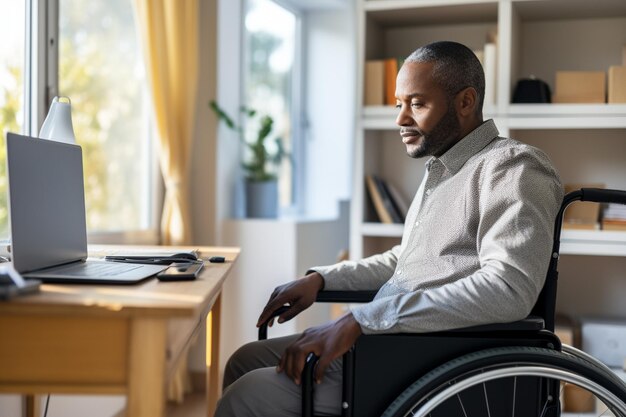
<point x="253" y="388"/>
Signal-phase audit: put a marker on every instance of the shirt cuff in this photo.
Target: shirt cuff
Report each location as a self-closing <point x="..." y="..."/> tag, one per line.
<point x="375" y="317"/>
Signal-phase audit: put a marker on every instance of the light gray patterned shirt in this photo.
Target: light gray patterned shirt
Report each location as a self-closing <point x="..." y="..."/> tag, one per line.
<point x="476" y="242"/>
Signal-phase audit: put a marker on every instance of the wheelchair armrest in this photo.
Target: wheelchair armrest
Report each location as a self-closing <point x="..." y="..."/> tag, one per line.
<point x="345" y="296"/>
<point x="324" y="297"/>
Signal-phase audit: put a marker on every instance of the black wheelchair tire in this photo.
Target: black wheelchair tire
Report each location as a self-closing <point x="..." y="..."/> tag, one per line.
<point x="458" y="369"/>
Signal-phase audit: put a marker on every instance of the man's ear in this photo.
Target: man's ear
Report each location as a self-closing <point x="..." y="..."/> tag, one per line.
<point x="466" y="102"/>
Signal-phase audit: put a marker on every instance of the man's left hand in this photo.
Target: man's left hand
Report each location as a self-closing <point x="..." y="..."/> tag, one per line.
<point x="328" y="342"/>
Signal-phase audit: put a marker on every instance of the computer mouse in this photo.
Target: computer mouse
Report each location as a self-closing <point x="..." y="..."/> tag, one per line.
<point x="185" y="255"/>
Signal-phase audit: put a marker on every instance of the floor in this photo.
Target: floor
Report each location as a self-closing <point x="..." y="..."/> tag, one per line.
<point x="193" y="406"/>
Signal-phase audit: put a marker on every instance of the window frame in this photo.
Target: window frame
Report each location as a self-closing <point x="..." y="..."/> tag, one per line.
<point x="42" y="59"/>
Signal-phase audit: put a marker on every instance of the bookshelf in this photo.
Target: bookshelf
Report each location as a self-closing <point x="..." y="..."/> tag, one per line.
<point x="587" y="142"/>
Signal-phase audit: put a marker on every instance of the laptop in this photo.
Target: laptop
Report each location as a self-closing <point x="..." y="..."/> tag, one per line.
<point x="47" y="217"/>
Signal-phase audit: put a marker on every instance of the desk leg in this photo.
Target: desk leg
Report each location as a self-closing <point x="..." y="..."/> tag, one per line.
<point x="31" y="405"/>
<point x="146" y="369"/>
<point x="213" y="383"/>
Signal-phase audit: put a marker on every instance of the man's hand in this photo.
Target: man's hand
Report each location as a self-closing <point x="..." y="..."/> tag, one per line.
<point x="328" y="342"/>
<point x="298" y="294"/>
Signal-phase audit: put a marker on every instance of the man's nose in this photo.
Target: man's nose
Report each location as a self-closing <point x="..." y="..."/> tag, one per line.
<point x="404" y="118"/>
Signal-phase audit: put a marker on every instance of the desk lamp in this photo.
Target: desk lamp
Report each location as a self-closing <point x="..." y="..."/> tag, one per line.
<point x="58" y="123"/>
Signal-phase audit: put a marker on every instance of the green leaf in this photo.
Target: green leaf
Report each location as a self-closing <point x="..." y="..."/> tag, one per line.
<point x="221" y="115"/>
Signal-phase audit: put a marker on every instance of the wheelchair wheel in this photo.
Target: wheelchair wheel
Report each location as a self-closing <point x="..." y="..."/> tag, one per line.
<point x="509" y="381"/>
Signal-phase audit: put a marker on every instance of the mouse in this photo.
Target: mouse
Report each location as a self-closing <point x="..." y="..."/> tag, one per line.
<point x="184" y="255"/>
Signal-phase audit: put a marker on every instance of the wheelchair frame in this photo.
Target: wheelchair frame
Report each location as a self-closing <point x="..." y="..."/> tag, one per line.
<point x="530" y="345"/>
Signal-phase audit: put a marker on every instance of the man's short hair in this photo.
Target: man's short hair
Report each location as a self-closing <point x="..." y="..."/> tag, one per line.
<point x="455" y="67"/>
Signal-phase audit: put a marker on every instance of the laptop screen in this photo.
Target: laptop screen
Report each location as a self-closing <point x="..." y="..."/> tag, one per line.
<point x="46" y="202"/>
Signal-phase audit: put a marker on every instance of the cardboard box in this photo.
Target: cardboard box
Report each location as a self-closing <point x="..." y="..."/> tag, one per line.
<point x="605" y="340"/>
<point x="578" y="400"/>
<point x="580" y="87"/>
<point x="616" y="225"/>
<point x="582" y="215"/>
<point x="567" y="330"/>
<point x="617" y="84"/>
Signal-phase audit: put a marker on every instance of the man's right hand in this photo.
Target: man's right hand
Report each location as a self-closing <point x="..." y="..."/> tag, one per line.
<point x="298" y="295"/>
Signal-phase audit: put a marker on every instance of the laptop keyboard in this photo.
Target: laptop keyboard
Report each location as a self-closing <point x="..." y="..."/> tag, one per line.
<point x="100" y="269"/>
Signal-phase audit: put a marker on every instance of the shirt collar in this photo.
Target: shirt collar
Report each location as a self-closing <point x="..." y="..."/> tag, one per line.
<point x="467" y="147"/>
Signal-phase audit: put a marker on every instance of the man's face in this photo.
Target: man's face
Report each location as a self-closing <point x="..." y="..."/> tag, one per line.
<point x="428" y="120"/>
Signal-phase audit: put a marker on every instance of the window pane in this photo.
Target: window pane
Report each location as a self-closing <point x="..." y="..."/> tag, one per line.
<point x="101" y="71"/>
<point x="12" y="54"/>
<point x="270" y="32"/>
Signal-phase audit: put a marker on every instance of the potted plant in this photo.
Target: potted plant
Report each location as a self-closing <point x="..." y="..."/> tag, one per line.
<point x="261" y="163"/>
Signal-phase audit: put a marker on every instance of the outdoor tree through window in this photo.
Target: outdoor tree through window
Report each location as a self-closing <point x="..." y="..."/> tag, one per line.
<point x="101" y="71"/>
<point x="12" y="54"/>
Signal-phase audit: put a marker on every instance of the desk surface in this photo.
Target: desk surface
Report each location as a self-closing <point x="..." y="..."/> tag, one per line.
<point x="112" y="339"/>
<point x="150" y="298"/>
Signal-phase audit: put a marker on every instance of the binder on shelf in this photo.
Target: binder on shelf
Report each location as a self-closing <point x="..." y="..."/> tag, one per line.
<point x="391" y="72"/>
<point x="399" y="201"/>
<point x="377" y="199"/>
<point x="388" y="202"/>
<point x="388" y="208"/>
<point x="617" y="84"/>
<point x="374" y="91"/>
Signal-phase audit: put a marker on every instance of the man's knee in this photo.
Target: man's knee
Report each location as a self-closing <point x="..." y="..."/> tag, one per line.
<point x="237" y="365"/>
<point x="258" y="393"/>
<point x="255" y="355"/>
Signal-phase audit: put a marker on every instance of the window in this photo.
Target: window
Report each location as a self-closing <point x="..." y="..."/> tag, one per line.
<point x="12" y="58"/>
<point x="270" y="85"/>
<point x="100" y="68"/>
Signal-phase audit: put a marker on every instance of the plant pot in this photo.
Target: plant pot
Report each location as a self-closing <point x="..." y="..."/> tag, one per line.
<point x="262" y="199"/>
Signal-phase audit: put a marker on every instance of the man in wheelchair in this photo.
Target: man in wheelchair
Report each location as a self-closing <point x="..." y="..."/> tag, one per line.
<point x="474" y="248"/>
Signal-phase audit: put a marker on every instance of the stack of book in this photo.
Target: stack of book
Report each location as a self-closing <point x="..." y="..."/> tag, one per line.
<point x="614" y="217"/>
<point x="388" y="203"/>
<point x="380" y="82"/>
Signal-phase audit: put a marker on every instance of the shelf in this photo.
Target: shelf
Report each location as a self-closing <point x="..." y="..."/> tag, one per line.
<point x="573" y="242"/>
<point x="381" y="229"/>
<point x="524" y="116"/>
<point x="576" y="9"/>
<point x="429" y="12"/>
<point x="384" y="117"/>
<point x="593" y="242"/>
<point x="566" y="116"/>
<point x="539" y="37"/>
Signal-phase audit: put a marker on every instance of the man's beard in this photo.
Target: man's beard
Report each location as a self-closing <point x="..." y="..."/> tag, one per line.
<point x="441" y="138"/>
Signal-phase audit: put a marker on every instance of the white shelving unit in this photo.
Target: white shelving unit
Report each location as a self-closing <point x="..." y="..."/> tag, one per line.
<point x="587" y="142"/>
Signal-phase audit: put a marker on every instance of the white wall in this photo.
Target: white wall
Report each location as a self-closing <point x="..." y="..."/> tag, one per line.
<point x="274" y="252"/>
<point x="330" y="48"/>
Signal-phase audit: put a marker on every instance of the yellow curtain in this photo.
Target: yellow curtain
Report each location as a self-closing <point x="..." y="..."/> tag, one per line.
<point x="169" y="35"/>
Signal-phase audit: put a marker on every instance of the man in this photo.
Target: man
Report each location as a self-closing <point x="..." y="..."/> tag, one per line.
<point x="475" y="247"/>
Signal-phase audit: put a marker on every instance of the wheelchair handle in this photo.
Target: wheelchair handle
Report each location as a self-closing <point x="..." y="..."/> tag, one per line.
<point x="308" y="384"/>
<point x="600" y="195"/>
<point x="263" y="326"/>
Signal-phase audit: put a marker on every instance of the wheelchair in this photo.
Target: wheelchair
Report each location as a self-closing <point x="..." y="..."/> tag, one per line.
<point x="512" y="369"/>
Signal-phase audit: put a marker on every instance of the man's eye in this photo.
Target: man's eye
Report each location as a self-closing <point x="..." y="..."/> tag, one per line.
<point x="416" y="105"/>
<point x="398" y="106"/>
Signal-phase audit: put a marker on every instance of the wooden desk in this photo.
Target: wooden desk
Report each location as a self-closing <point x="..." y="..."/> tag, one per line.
<point x="111" y="339"/>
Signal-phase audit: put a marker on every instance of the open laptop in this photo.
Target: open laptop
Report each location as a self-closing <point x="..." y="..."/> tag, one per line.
<point x="47" y="216"/>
